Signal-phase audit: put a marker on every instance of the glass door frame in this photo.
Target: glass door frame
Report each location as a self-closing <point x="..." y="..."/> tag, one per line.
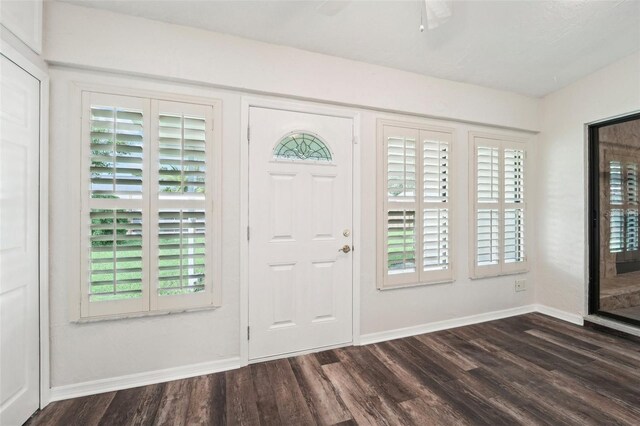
<point x="594" y="217"/>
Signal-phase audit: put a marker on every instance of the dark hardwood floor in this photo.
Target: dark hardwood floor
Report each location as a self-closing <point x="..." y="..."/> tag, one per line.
<point x="529" y="369"/>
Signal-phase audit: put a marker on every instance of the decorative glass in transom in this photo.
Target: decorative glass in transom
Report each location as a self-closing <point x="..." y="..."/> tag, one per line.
<point x="302" y="146"/>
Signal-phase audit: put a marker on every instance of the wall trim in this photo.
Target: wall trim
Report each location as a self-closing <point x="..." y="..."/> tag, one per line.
<point x="444" y="325"/>
<point x="559" y="314"/>
<point x="469" y="320"/>
<point x="142" y="379"/>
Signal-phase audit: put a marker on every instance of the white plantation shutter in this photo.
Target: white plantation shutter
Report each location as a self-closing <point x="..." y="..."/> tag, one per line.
<point x="182" y="154"/>
<point x="436" y="179"/>
<point x="487" y="205"/>
<point x="181" y="251"/>
<point x="115" y="275"/>
<point x="149" y="203"/>
<point x="116" y="254"/>
<point x="415" y="206"/>
<point x="498" y="228"/>
<point x="488" y="175"/>
<point x="401" y="206"/>
<point x="116" y="152"/>
<point x="616" y="223"/>
<point x="401" y="237"/>
<point x="487" y="237"/>
<point x="184" y="223"/>
<point x="623" y="196"/>
<point x="631" y="230"/>
<point x="514" y="214"/>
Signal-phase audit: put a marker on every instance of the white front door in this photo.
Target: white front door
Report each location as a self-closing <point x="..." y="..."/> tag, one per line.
<point x="19" y="261"/>
<point x="300" y="217"/>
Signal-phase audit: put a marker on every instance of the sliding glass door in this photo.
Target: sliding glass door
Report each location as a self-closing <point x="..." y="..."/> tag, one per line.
<point x="614" y="173"/>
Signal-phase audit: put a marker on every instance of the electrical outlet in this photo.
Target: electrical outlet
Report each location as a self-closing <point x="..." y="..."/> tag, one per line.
<point x="521" y="285"/>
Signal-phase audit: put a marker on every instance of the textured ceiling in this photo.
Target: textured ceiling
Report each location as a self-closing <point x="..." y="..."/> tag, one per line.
<point x="529" y="47"/>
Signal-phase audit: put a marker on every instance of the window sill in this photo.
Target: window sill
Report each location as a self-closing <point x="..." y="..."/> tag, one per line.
<point x="116" y="317"/>
<point x="501" y="274"/>
<point x="420" y="284"/>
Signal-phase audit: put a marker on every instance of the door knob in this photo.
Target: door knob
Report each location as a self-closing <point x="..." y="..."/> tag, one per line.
<point x="345" y="249"/>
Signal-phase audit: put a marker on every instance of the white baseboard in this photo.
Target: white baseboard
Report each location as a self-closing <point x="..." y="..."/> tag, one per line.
<point x="472" y="319"/>
<point x="561" y="315"/>
<point x="142" y="379"/>
<point x="444" y="325"/>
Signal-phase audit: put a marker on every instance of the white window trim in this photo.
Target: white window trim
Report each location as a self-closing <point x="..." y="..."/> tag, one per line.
<point x="78" y="291"/>
<point x="502" y="142"/>
<point x="418" y="278"/>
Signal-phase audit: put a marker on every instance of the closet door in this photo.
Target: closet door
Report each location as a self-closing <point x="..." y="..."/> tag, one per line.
<point x="19" y="260"/>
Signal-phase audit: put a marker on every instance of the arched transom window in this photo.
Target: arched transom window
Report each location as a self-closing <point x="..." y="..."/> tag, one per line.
<point x="302" y="146"/>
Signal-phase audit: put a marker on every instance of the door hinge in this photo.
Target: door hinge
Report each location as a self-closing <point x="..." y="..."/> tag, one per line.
<point x="248" y="234"/>
<point x="248" y="333"/>
<point x="248" y="134"/>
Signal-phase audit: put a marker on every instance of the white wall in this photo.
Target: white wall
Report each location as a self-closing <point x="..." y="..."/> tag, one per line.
<point x="562" y="183"/>
<point x="139" y="50"/>
<point x="91" y="351"/>
<point x="400" y="308"/>
<point x="23" y="18"/>
<point x="100" y="39"/>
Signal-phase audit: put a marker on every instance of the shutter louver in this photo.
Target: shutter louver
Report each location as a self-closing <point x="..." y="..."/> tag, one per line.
<point x="182" y="266"/>
<point x="401" y="247"/>
<point x="116" y="152"/>
<point x="631" y="230"/>
<point x="623" y="193"/>
<point x="513" y="196"/>
<point x="401" y="169"/>
<point x="181" y="258"/>
<point x="435" y="239"/>
<point x="615" y="183"/>
<point x="487" y="225"/>
<point x="513" y="176"/>
<point x="514" y="235"/>
<point x="116" y="254"/>
<point x="435" y="212"/>
<point x="182" y="155"/>
<point x="631" y="184"/>
<point x="616" y="223"/>
<point x="436" y="171"/>
<point x="631" y="216"/>
<point x="487" y="174"/>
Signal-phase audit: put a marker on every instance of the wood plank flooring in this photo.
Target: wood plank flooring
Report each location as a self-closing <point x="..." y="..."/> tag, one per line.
<point x="529" y="369"/>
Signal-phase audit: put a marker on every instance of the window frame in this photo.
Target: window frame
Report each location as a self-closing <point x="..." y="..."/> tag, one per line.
<point x="419" y="277"/>
<point x="502" y="142"/>
<point x="148" y="304"/>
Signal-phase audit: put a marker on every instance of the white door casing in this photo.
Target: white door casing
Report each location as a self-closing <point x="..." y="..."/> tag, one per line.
<point x="300" y="216"/>
<point x="19" y="259"/>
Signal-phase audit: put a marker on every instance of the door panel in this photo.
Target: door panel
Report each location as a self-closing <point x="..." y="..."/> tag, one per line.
<point x="19" y="329"/>
<point x="614" y="206"/>
<point x="300" y="205"/>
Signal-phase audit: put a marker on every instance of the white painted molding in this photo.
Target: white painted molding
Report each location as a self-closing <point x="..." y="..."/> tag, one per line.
<point x="142" y="379"/>
<point x="561" y="315"/>
<point x="473" y="319"/>
<point x="444" y="325"/>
